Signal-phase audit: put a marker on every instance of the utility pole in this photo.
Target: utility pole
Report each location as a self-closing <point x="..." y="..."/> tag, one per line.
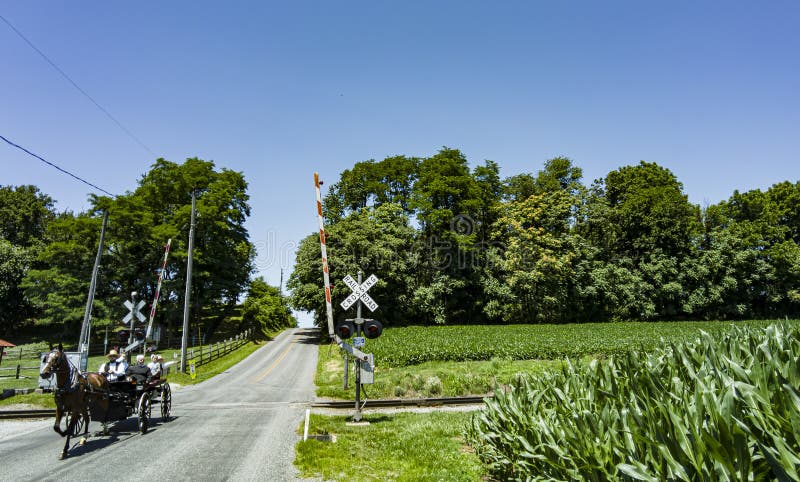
<point x="186" y="297"/>
<point x="83" y="342"/>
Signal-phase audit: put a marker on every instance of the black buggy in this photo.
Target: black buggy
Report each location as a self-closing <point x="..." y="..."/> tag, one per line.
<point x="132" y="396"/>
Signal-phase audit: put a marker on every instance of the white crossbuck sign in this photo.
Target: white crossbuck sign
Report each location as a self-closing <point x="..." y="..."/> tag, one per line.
<point x="360" y="292"/>
<point x="134" y="311"/>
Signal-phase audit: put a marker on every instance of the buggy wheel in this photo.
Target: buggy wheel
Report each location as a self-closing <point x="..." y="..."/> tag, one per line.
<point x="144" y="413"/>
<point x="79" y="424"/>
<point x="166" y="402"/>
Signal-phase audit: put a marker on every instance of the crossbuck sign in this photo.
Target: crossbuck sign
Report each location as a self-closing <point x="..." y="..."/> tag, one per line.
<point x="360" y="292"/>
<point x="134" y="311"/>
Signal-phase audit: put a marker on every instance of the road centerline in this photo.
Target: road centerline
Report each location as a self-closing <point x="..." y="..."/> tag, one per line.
<point x="276" y="362"/>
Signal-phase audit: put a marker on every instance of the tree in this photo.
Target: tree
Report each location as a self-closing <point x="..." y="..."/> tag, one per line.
<point x="371" y="183"/>
<point x="14" y="308"/>
<point x="58" y="283"/>
<point x="646" y="211"/>
<point x="265" y="308"/>
<point x="24" y="214"/>
<point x="160" y="208"/>
<point x="376" y="241"/>
<point x="537" y="265"/>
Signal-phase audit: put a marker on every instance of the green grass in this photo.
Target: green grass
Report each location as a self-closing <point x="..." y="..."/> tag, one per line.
<point x="397" y="447"/>
<point x="399" y="347"/>
<point x="429" y="379"/>
<point x="44" y="400"/>
<point x="204" y="372"/>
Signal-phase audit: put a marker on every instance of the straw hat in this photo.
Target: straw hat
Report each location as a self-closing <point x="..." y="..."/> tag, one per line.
<point x="112" y="354"/>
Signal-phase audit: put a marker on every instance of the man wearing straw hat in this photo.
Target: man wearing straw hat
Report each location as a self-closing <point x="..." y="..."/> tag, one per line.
<point x="115" y="368"/>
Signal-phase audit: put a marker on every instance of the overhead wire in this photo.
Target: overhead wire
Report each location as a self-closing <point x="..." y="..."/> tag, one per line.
<point x="57" y="167"/>
<point x="74" y="84"/>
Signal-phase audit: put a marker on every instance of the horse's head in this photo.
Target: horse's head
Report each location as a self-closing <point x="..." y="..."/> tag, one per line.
<point x="53" y="361"/>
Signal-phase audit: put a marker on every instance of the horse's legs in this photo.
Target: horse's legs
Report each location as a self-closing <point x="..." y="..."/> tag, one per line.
<point x="57" y="424"/>
<point x="70" y="428"/>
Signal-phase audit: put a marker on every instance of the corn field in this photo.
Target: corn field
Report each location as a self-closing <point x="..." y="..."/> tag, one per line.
<point x="722" y="407"/>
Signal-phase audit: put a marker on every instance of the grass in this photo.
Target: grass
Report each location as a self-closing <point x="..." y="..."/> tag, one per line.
<point x="209" y="370"/>
<point x="44" y="400"/>
<point x="397" y="447"/>
<point x="429" y="379"/>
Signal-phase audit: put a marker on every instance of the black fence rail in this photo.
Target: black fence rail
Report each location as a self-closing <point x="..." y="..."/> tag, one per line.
<point x="205" y="354"/>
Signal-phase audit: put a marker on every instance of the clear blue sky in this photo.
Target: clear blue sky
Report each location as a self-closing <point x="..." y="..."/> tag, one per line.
<point x="278" y="90"/>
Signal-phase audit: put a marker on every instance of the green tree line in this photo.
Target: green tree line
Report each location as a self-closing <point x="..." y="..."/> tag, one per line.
<point x="46" y="257"/>
<point x="452" y="244"/>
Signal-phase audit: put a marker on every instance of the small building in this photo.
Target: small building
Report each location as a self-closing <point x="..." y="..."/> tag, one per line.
<point x="3" y="345"/>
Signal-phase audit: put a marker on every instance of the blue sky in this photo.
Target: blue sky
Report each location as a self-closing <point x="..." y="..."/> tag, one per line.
<point x="280" y="90"/>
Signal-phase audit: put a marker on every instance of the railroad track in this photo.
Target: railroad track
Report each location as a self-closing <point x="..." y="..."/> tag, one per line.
<point x="403" y="402"/>
<point x="18" y="414"/>
<point x="383" y="403"/>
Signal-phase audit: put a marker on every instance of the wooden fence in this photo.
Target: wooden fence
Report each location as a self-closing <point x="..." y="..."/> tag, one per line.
<point x="19" y="363"/>
<point x="205" y="354"/>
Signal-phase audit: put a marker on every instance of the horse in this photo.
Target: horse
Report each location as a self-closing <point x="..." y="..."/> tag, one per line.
<point x="72" y="394"/>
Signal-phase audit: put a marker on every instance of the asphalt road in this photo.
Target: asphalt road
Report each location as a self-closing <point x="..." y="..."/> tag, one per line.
<point x="240" y="425"/>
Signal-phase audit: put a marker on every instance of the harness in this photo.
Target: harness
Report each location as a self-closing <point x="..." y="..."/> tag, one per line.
<point x="73" y="381"/>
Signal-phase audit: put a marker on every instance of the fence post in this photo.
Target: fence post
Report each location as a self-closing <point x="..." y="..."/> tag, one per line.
<point x="18" y="371"/>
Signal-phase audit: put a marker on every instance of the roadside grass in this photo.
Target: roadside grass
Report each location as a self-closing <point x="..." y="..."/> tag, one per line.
<point x="394" y="447"/>
<point x="429" y="379"/>
<point x="209" y="370"/>
<point x="43" y="400"/>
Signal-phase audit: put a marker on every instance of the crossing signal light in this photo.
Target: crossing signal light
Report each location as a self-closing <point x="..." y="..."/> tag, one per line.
<point x="372" y="329"/>
<point x="345" y="329"/>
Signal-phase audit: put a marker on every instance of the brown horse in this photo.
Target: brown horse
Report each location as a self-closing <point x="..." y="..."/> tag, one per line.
<point x="72" y="394"/>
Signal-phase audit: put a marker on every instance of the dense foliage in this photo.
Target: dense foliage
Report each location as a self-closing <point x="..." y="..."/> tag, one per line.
<point x="46" y="257"/>
<point x="265" y="309"/>
<point x="717" y="408"/>
<point x="458" y="245"/>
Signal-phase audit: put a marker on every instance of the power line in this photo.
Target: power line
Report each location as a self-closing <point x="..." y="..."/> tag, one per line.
<point x="53" y="165"/>
<point x="63" y="74"/>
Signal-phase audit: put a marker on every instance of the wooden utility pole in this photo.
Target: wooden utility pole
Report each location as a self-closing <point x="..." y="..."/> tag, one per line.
<point x="188" y="286"/>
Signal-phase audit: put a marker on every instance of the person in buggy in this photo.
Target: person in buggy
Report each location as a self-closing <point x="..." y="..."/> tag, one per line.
<point x="155" y="366"/>
<point x="115" y="368"/>
<point x="139" y="372"/>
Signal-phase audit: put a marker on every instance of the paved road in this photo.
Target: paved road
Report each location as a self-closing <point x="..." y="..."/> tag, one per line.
<point x="240" y="425"/>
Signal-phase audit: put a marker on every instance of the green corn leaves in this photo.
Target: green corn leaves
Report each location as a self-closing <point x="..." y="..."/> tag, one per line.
<point x="723" y="407"/>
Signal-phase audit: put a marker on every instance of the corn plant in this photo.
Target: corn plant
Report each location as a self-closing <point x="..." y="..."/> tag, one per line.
<point x="721" y="407"/>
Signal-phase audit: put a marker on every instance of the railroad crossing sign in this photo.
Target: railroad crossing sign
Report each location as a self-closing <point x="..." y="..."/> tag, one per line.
<point x="360" y="292"/>
<point x="134" y="311"/>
